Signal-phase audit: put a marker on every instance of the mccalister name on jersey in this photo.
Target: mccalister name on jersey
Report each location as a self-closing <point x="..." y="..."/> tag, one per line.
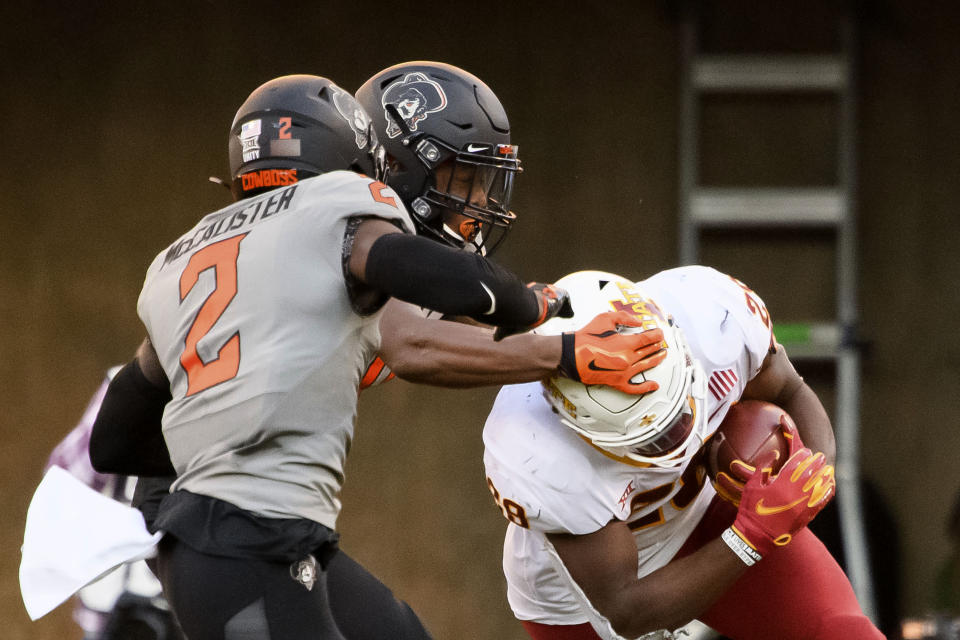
<point x="233" y="219"/>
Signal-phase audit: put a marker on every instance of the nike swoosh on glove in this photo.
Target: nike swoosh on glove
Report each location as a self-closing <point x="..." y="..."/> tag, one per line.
<point x="775" y="507"/>
<point x="599" y="353"/>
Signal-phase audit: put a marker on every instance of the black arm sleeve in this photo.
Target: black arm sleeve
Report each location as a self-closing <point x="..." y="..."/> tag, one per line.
<point x="453" y="282"/>
<point x="127" y="436"/>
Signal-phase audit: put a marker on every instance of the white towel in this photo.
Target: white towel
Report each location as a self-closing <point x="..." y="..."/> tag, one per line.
<point x="73" y="536"/>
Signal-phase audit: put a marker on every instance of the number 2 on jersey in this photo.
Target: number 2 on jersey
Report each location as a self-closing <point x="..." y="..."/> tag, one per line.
<point x="222" y="258"/>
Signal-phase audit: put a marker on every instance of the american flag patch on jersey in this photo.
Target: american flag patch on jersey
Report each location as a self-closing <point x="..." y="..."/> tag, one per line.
<point x="721" y="382"/>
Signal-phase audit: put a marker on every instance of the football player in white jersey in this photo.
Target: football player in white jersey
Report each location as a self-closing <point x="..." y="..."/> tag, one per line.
<point x="613" y="528"/>
<point x="261" y="322"/>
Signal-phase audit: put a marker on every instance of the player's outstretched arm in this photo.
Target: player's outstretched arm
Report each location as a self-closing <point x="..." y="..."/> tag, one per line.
<point x="778" y="382"/>
<point x="429" y="274"/>
<point x="453" y="354"/>
<point x="773" y="508"/>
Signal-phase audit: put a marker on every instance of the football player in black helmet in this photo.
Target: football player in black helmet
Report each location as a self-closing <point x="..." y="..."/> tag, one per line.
<point x="447" y="139"/>
<point x="296" y="127"/>
<point x="449" y="158"/>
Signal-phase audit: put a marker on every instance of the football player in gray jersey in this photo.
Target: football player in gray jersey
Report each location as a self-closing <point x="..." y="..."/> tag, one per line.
<point x="261" y="321"/>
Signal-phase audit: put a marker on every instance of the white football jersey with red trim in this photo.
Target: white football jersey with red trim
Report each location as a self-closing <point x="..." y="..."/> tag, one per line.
<point x="547" y="479"/>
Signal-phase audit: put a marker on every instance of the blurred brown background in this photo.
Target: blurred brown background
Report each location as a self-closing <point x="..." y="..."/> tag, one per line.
<point x="113" y="114"/>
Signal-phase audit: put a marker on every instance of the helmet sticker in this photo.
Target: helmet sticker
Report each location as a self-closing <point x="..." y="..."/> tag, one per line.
<point x="249" y="140"/>
<point x="354" y="114"/>
<point x="415" y="97"/>
<point x="289" y="148"/>
<point x="284" y="144"/>
<point x="646" y="310"/>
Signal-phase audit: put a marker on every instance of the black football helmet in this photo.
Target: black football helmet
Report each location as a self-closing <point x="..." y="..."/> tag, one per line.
<point x="447" y="139"/>
<point x="295" y="127"/>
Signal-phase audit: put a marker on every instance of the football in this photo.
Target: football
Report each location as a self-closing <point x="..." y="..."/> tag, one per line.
<point x="750" y="430"/>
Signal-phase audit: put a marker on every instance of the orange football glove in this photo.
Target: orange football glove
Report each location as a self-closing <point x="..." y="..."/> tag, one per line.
<point x="774" y="507"/>
<point x="553" y="301"/>
<point x="600" y="354"/>
<point x="730" y="487"/>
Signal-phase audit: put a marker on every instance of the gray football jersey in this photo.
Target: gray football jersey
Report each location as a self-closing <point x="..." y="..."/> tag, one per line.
<point x="250" y="316"/>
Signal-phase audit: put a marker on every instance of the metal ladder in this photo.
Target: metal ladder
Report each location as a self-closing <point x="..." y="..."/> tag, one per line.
<point x="831" y="208"/>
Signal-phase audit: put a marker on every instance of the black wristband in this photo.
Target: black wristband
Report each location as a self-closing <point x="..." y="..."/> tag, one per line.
<point x="127" y="437"/>
<point x="453" y="282"/>
<point x="568" y="356"/>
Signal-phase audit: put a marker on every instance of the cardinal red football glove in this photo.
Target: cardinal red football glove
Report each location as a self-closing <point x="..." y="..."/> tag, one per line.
<point x="730" y="487"/>
<point x="599" y="354"/>
<point x="553" y="302"/>
<point x="774" y="507"/>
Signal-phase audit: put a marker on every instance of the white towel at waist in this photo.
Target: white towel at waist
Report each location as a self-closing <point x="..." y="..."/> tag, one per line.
<point x="73" y="536"/>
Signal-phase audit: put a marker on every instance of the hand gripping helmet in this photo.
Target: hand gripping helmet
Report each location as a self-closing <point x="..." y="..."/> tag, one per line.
<point x="663" y="428"/>
<point x="448" y="140"/>
<point x="295" y="127"/>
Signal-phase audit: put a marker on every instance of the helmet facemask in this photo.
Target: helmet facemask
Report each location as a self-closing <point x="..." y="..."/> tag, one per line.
<point x="677" y="438"/>
<point x="466" y="193"/>
<point x="430" y="115"/>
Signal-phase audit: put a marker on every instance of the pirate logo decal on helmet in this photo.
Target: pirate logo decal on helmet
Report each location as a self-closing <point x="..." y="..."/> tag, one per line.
<point x="415" y="97"/>
<point x="355" y="116"/>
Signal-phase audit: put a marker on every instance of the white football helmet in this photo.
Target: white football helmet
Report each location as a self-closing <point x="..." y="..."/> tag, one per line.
<point x="662" y="428"/>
